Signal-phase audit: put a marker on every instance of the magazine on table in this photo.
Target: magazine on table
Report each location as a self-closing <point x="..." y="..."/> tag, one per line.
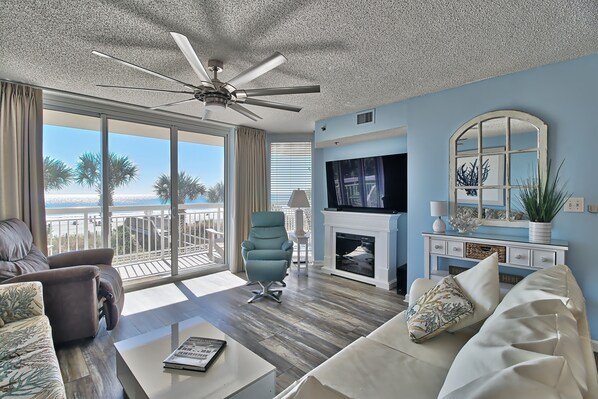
<point x="195" y="354"/>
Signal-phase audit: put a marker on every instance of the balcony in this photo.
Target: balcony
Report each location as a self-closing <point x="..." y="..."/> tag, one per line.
<point x="141" y="236"/>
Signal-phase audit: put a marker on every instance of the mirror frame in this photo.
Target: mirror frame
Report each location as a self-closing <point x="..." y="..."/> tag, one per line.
<point x="542" y="149"/>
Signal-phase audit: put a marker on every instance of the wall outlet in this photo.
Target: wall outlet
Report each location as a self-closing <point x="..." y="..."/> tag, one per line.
<point x="574" y="204"/>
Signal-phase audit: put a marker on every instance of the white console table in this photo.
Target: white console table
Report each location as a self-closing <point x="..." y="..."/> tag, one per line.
<point x="520" y="252"/>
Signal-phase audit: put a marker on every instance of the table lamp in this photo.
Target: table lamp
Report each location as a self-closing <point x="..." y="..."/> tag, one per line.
<point x="298" y="200"/>
<point x="440" y="209"/>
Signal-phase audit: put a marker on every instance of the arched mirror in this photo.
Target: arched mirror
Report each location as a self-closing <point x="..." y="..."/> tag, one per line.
<point x="490" y="157"/>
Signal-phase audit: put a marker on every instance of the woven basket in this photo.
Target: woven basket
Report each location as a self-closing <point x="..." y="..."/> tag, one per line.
<point x="482" y="251"/>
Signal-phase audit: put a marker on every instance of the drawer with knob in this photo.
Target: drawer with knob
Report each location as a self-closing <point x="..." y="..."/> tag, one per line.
<point x="519" y="256"/>
<point x="438" y="247"/>
<point x="542" y="259"/>
<point x="454" y="248"/>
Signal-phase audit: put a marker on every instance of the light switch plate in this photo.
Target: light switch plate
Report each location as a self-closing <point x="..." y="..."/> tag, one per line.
<point x="574" y="204"/>
<point x="593" y="208"/>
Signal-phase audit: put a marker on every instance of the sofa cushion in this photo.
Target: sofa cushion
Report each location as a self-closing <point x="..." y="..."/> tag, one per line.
<point x="553" y="282"/>
<point x="546" y="378"/>
<point x="440" y="351"/>
<point x="481" y="286"/>
<point x="310" y="388"/>
<point x="436" y="310"/>
<point x="29" y="364"/>
<point x="20" y="301"/>
<point x="509" y="345"/>
<point x="367" y="369"/>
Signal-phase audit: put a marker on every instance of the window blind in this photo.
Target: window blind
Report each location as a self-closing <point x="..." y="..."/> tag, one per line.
<point x="290" y="169"/>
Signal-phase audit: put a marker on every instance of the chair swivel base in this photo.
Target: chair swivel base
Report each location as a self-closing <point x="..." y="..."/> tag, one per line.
<point x="266" y="292"/>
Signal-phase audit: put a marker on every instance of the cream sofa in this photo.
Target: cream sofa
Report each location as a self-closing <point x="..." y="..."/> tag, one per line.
<point x="536" y="343"/>
<point x="28" y="364"/>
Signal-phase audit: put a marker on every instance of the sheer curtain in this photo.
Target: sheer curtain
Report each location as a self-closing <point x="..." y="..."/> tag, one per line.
<point x="251" y="194"/>
<point x="21" y="158"/>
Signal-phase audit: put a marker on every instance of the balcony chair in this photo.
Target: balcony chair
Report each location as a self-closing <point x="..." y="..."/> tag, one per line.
<point x="79" y="287"/>
<point x="268" y="240"/>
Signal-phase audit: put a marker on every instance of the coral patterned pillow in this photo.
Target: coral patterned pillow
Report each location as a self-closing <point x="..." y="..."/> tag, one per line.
<point x="436" y="310"/>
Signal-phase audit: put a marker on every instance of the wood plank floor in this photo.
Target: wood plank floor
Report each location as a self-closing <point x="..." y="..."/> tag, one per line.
<point x="319" y="316"/>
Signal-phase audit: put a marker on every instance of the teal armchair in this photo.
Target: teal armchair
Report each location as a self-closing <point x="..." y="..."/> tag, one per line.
<point x="268" y="239"/>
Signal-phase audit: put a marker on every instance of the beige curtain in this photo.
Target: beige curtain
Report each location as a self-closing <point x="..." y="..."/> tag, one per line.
<point x="251" y="194"/>
<point x="21" y="158"/>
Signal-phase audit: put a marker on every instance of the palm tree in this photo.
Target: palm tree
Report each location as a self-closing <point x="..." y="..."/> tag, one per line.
<point x="215" y="193"/>
<point x="57" y="174"/>
<point x="189" y="188"/>
<point x="88" y="172"/>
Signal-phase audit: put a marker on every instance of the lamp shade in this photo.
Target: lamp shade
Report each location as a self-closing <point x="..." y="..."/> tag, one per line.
<point x="439" y="208"/>
<point x="298" y="199"/>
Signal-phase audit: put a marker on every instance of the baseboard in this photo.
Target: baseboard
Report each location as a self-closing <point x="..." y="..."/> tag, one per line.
<point x="318" y="263"/>
<point x="595" y="345"/>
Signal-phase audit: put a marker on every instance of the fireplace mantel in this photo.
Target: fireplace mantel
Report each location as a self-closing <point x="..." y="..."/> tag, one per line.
<point x="383" y="227"/>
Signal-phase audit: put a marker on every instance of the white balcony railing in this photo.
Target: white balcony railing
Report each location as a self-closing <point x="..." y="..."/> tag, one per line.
<point x="141" y="235"/>
<point x="138" y="233"/>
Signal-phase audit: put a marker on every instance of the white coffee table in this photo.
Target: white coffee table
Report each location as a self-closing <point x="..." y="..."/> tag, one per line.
<point x="237" y="373"/>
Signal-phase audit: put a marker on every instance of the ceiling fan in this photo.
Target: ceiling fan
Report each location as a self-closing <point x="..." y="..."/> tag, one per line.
<point x="216" y="94"/>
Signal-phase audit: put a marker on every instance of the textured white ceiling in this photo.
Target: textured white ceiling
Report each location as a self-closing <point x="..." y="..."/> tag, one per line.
<point x="362" y="53"/>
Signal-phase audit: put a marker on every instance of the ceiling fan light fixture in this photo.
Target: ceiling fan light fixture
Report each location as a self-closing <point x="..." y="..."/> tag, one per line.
<point x="215" y="102"/>
<point x="215" y="106"/>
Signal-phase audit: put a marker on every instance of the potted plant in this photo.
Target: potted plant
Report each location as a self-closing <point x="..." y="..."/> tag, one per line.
<point x="542" y="198"/>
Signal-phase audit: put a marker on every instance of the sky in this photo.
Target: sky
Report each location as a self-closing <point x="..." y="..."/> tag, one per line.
<point x="150" y="155"/>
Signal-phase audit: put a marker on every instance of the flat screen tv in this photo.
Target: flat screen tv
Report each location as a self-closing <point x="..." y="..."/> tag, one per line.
<point x="374" y="184"/>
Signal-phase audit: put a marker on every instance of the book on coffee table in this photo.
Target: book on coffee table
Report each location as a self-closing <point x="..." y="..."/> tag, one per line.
<point x="195" y="354"/>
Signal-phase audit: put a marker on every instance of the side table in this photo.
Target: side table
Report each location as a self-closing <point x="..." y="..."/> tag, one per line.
<point x="301" y="240"/>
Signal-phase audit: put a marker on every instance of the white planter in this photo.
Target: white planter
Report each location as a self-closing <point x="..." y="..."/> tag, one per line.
<point x="540" y="232"/>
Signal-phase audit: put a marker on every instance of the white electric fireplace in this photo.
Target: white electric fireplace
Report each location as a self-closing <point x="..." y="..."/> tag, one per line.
<point x="361" y="246"/>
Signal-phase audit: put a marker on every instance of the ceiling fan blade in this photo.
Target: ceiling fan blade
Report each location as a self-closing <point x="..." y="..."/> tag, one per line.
<point x="245" y="112"/>
<point x="270" y="104"/>
<point x="275" y="91"/>
<point x="174" y="103"/>
<point x="146" y="89"/>
<point x="266" y="65"/>
<point x="192" y="58"/>
<point x="142" y="69"/>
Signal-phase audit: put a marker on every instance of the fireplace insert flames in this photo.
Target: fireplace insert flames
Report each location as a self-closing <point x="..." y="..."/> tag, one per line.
<point x="355" y="253"/>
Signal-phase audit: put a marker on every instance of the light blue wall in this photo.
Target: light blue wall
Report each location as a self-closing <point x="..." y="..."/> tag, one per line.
<point x="564" y="95"/>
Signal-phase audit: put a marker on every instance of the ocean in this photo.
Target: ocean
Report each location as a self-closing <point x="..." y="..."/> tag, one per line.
<point x="91" y="200"/>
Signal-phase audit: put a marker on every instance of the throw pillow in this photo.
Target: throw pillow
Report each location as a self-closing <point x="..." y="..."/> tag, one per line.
<point x="436" y="310"/>
<point x="555" y="282"/>
<point x="515" y="347"/>
<point x="481" y="286"/>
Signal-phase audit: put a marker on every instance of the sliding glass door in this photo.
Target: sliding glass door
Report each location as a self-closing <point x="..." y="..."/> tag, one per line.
<point x="73" y="208"/>
<point x="201" y="199"/>
<point x="153" y="193"/>
<point x="138" y="206"/>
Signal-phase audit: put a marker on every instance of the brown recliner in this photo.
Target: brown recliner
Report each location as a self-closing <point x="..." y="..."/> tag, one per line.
<point x="79" y="287"/>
